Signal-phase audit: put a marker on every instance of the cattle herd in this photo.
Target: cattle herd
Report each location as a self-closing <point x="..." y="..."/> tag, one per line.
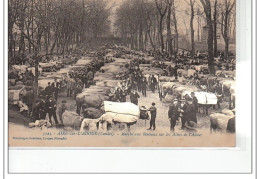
<point x="100" y="89"/>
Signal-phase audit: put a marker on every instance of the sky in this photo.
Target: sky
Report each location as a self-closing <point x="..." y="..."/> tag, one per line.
<point x="183" y="19"/>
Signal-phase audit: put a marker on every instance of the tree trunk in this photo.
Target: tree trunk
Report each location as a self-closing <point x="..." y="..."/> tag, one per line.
<point x="207" y="9"/>
<point x="22" y="43"/>
<point x="210" y="46"/>
<point x="10" y="42"/>
<point x="140" y="38"/>
<point x="198" y="29"/>
<point x="36" y="60"/>
<point x="169" y="33"/>
<point x="192" y="29"/>
<point x="150" y="38"/>
<point x="46" y="42"/>
<point x="215" y="30"/>
<point x="161" y="33"/>
<point x="176" y="37"/>
<point x="145" y="41"/>
<point x="226" y="37"/>
<point x="132" y="41"/>
<point x="226" y="49"/>
<point x="53" y="45"/>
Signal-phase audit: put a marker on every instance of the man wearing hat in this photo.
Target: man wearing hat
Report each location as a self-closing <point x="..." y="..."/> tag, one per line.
<point x="194" y="100"/>
<point x="134" y="97"/>
<point x="144" y="84"/>
<point x="175" y="72"/>
<point x="48" y="90"/>
<point x="173" y="114"/>
<point x="189" y="112"/>
<point x="51" y="110"/>
<point x="42" y="107"/>
<point x="153" y="83"/>
<point x="56" y="88"/>
<point x="70" y="85"/>
<point x="153" y="111"/>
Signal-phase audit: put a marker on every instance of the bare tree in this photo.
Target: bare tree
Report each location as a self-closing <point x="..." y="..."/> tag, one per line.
<point x="176" y="37"/>
<point x="215" y="28"/>
<point x="162" y="9"/>
<point x="225" y="18"/>
<point x="13" y="13"/>
<point x="192" y="14"/>
<point x="199" y="24"/>
<point x="207" y="9"/>
<point x="168" y="22"/>
<point x="149" y="22"/>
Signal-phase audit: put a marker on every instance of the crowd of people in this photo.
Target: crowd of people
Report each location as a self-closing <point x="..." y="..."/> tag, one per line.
<point x="187" y="111"/>
<point x="47" y="103"/>
<point x="180" y="110"/>
<point x="134" y="81"/>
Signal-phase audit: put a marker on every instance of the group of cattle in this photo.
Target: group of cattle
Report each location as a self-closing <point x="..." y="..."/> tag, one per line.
<point x="210" y="90"/>
<point x="92" y="100"/>
<point x="96" y="100"/>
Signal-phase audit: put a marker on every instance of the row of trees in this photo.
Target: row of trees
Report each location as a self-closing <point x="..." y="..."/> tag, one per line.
<point x="44" y="27"/>
<point x="48" y="25"/>
<point x="143" y="22"/>
<point x="148" y="22"/>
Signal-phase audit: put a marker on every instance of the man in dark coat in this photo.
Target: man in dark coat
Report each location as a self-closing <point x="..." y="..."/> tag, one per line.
<point x="30" y="74"/>
<point x="56" y="87"/>
<point x="173" y="115"/>
<point x="49" y="90"/>
<point x="69" y="89"/>
<point x="123" y="96"/>
<point x="51" y="110"/>
<point x="138" y="81"/>
<point x="144" y="84"/>
<point x="153" y="83"/>
<point x="84" y="80"/>
<point x="189" y="112"/>
<point x="194" y="100"/>
<point x="175" y="72"/>
<point x="153" y="111"/>
<point x="134" y="97"/>
<point x="42" y="108"/>
<point x="36" y="111"/>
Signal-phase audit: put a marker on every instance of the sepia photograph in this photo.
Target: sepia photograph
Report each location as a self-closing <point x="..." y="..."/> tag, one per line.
<point x="122" y="73"/>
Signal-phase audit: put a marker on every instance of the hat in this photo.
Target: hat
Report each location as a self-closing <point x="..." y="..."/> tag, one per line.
<point x="191" y="125"/>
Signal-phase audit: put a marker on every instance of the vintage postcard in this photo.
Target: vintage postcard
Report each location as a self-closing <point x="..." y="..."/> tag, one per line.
<point x="121" y="73"/>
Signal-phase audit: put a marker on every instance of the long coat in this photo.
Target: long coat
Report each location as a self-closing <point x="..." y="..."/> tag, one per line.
<point x="134" y="98"/>
<point x="189" y="113"/>
<point x="173" y="112"/>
